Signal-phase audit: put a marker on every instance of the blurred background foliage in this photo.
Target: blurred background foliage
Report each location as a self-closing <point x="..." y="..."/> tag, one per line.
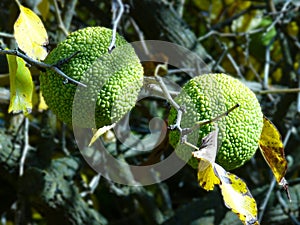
<point x="256" y="41"/>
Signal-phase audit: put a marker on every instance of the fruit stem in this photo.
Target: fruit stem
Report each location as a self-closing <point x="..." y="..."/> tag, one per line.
<point x="205" y="122"/>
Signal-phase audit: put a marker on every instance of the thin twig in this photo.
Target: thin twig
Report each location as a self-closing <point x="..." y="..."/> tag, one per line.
<point x="179" y="4"/>
<point x="184" y="132"/>
<point x="229" y="20"/>
<point x="190" y="145"/>
<point x="163" y="86"/>
<point x="279" y="17"/>
<point x="278" y="91"/>
<point x="116" y="20"/>
<point x="154" y="89"/>
<point x="92" y="186"/>
<point x="267" y="67"/>
<point x="6" y="35"/>
<point x="63" y="140"/>
<point x="236" y="67"/>
<point x="61" y="24"/>
<point x="234" y="35"/>
<point x="141" y="36"/>
<point x="26" y="147"/>
<point x="228" y="55"/>
<point x="202" y="123"/>
<point x="68" y="14"/>
<point x="39" y="64"/>
<point x="166" y="93"/>
<point x="263" y="206"/>
<point x="220" y="59"/>
<point x="286" y="209"/>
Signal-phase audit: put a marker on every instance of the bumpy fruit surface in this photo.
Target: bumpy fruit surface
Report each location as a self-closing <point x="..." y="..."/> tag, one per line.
<point x="207" y="96"/>
<point x="113" y="79"/>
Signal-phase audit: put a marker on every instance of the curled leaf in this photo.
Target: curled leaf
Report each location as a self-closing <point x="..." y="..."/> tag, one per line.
<point x="207" y="156"/>
<point x="271" y="147"/>
<point x="206" y="175"/>
<point x="235" y="193"/>
<point x="21" y="85"/>
<point x="237" y="196"/>
<point x="100" y="132"/>
<point x="30" y="34"/>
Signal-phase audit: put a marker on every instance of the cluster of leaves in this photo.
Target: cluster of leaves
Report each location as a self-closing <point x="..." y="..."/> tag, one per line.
<point x="251" y="44"/>
<point x="30" y="26"/>
<point x="235" y="193"/>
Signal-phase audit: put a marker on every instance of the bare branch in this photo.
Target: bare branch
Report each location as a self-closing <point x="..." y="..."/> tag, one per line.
<point x="6" y="35"/>
<point x="26" y="146"/>
<point x="237" y="34"/>
<point x="280" y="16"/>
<point x="117" y="8"/>
<point x="61" y="24"/>
<point x="179" y="6"/>
<point x="278" y="91"/>
<point x="69" y="12"/>
<point x="39" y="64"/>
<point x="141" y="36"/>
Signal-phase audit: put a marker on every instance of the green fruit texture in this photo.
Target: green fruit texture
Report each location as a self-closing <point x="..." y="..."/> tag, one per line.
<point x="113" y="80"/>
<point x="208" y="96"/>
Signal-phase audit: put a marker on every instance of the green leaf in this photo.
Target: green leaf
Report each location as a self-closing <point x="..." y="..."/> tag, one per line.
<point x="21" y="85"/>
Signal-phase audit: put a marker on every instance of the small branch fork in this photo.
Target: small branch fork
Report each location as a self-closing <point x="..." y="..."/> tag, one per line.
<point x="39" y="64"/>
<point x="118" y="10"/>
<point x="181" y="110"/>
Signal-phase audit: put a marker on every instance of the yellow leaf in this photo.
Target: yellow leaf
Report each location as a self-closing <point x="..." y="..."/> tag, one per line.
<point x="206" y="175"/>
<point x="30" y="34"/>
<point x="271" y="147"/>
<point x="237" y="197"/>
<point x="207" y="156"/>
<point x="293" y="29"/>
<point x="42" y="104"/>
<point x="21" y="85"/>
<point x="100" y="132"/>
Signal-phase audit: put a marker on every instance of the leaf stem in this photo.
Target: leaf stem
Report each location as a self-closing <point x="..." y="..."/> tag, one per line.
<point x="18" y="3"/>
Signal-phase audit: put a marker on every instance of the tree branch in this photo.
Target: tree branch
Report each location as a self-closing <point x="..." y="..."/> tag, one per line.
<point x="39" y="64"/>
<point x="118" y="10"/>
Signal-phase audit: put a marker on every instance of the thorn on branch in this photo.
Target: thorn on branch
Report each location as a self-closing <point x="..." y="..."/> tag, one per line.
<point x="63" y="61"/>
<point x="185" y="131"/>
<point x="202" y="123"/>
